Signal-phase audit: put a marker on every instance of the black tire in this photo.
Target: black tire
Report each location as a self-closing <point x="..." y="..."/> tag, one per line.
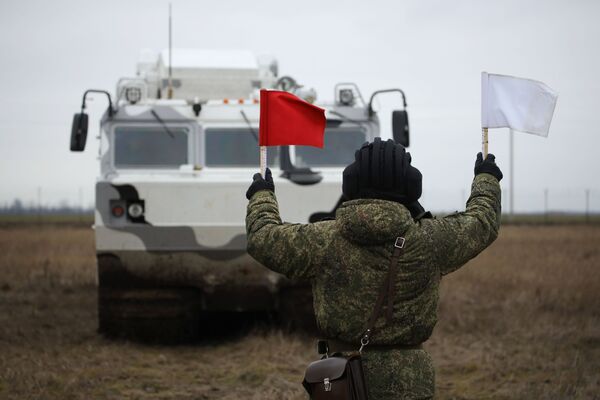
<point x="166" y="315"/>
<point x="296" y="311"/>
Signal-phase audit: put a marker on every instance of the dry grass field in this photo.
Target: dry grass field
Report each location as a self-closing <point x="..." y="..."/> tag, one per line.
<point x="520" y="321"/>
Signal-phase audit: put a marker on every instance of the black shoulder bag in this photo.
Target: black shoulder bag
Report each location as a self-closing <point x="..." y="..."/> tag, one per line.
<point x="339" y="377"/>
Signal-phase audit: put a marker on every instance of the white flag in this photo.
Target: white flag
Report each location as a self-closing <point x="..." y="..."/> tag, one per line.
<point x="521" y="104"/>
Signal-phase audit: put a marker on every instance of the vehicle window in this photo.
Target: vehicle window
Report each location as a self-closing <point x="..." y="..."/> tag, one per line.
<point x="338" y="150"/>
<point x="231" y="147"/>
<point x="152" y="147"/>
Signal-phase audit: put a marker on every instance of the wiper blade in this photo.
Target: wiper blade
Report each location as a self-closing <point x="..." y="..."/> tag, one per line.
<point x="249" y="125"/>
<point x="165" y="127"/>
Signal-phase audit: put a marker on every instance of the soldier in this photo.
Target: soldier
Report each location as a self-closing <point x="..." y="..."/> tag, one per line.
<point x="347" y="259"/>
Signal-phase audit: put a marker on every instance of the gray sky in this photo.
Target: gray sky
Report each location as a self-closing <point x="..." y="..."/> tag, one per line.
<point x="434" y="50"/>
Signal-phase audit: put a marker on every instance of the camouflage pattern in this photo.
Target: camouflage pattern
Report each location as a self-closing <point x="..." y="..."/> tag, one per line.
<point x="347" y="260"/>
<point x="399" y="374"/>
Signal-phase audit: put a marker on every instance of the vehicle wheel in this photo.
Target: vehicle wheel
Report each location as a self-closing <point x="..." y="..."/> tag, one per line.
<point x="169" y="315"/>
<point x="296" y="311"/>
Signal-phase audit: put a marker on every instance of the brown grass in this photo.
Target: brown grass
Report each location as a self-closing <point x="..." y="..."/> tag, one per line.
<point x="45" y="256"/>
<point x="520" y="321"/>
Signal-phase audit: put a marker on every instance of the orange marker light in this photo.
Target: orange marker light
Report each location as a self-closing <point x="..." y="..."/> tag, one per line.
<point x="118" y="211"/>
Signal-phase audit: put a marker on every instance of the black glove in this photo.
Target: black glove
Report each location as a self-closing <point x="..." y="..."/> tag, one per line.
<point x="488" y="166"/>
<point x="259" y="184"/>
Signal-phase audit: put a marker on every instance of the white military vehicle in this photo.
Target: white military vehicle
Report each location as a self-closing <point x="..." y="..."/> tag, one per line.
<point x="178" y="148"/>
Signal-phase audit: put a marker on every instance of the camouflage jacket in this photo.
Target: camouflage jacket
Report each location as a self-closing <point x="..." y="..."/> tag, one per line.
<point x="346" y="259"/>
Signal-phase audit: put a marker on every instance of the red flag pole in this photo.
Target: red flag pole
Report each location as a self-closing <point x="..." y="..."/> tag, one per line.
<point x="263" y="160"/>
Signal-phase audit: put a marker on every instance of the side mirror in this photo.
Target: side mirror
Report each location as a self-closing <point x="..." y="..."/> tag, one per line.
<point x="400" y="129"/>
<point x="79" y="131"/>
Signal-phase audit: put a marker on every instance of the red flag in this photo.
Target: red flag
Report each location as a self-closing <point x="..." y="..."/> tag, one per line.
<point x="286" y="119"/>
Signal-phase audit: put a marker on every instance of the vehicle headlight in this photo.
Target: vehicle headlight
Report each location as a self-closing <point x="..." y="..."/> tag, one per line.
<point x="133" y="94"/>
<point x="346" y="97"/>
<point x="135" y="210"/>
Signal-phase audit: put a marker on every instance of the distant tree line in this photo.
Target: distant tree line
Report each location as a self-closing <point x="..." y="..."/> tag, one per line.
<point x="18" y="207"/>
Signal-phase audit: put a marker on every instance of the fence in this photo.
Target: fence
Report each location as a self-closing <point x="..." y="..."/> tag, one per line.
<point x="541" y="204"/>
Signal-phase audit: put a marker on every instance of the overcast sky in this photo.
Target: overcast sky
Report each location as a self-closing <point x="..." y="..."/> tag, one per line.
<point x="51" y="51"/>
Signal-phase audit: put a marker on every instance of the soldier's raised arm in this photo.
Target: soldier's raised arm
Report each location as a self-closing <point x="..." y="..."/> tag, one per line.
<point x="460" y="237"/>
<point x="294" y="250"/>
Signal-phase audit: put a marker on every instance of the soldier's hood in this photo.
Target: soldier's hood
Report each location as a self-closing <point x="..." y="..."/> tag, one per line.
<point x="372" y="221"/>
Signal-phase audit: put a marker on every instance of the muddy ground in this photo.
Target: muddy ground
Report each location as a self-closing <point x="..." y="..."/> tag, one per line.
<point x="520" y="321"/>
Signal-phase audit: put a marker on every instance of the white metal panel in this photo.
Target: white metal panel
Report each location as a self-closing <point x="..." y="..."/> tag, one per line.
<point x="209" y="59"/>
<point x="216" y="197"/>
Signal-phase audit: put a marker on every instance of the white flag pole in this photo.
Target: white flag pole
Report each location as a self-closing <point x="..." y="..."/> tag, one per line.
<point x="484" y="142"/>
<point x="484" y="114"/>
<point x="512" y="169"/>
<point x="263" y="160"/>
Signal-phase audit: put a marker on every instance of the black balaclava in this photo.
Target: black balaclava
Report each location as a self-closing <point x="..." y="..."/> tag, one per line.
<point x="382" y="170"/>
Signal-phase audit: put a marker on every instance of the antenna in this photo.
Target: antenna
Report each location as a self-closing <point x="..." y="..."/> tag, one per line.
<point x="170" y="90"/>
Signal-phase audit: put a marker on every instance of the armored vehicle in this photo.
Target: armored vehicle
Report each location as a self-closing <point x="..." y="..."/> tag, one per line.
<point x="178" y="147"/>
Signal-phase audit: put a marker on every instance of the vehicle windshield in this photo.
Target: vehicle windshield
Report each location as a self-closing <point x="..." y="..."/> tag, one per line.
<point x="151" y="146"/>
<point x="235" y="147"/>
<point x="338" y="150"/>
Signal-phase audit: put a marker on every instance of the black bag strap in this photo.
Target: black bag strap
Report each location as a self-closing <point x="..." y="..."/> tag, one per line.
<point x="387" y="290"/>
